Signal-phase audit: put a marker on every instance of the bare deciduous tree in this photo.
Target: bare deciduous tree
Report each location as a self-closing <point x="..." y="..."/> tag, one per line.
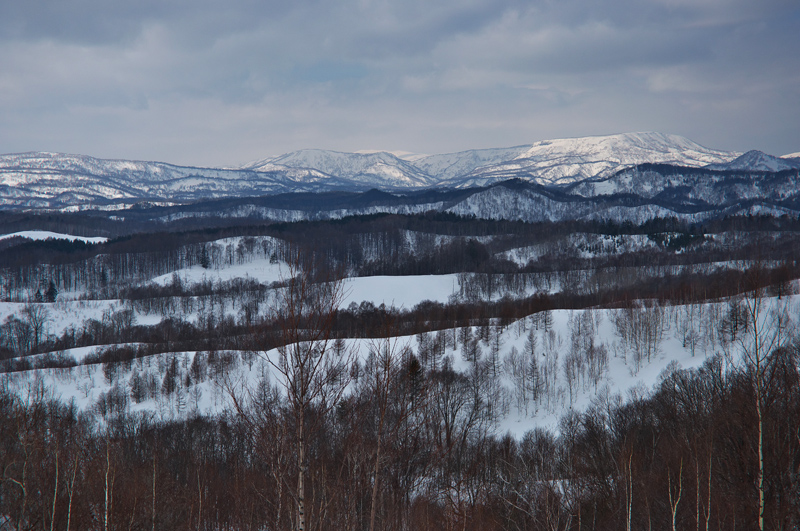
<point x="385" y="383"/>
<point x="768" y="327"/>
<point x="313" y="373"/>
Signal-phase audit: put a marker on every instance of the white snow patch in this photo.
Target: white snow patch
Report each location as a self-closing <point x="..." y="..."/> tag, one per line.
<point x="260" y="269"/>
<point x="400" y="292"/>
<point x="47" y="235"/>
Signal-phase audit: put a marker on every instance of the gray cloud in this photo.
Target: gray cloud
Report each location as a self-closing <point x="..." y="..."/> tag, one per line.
<point x="208" y="82"/>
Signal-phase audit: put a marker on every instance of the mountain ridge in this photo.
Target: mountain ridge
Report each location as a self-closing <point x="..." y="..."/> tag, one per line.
<point x="45" y="180"/>
<point x="755" y="160"/>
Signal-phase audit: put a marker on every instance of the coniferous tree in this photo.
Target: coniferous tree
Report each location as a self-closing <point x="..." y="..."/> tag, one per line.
<point x="171" y="377"/>
<point x="52" y="292"/>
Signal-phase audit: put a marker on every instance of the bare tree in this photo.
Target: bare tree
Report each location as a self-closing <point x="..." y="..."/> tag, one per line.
<point x="641" y="328"/>
<point x="24" y="333"/>
<point x="311" y="371"/>
<point x="385" y="367"/>
<point x="768" y="328"/>
<point x="513" y="370"/>
<point x="16" y="335"/>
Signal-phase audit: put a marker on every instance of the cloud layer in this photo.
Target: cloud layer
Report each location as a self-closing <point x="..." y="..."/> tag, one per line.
<point x="214" y="83"/>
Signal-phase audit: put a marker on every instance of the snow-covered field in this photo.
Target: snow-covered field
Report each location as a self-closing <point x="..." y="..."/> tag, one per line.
<point x="259" y="269"/>
<point x="402" y="292"/>
<point x="398" y="291"/>
<point x="46" y="235"/>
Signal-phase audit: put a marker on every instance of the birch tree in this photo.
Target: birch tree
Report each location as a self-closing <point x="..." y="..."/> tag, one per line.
<point x="768" y="328"/>
<point x="311" y="371"/>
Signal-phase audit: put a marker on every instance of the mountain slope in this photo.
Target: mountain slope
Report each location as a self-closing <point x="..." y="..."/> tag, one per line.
<point x="757" y="161"/>
<point x="549" y="162"/>
<point x="564" y="161"/>
<point x="58" y="181"/>
<point x="373" y="169"/>
<point x="53" y="180"/>
<point x="634" y="194"/>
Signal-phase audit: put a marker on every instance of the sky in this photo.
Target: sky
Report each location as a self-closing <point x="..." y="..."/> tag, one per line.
<point x="213" y="83"/>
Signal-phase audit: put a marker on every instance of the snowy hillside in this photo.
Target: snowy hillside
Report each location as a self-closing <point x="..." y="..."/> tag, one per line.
<point x="382" y="170"/>
<point x="52" y="180"/>
<point x="550" y="162"/>
<point x="583" y="356"/>
<point x="757" y="161"/>
<point x="694" y="188"/>
<point x="564" y="161"/>
<point x="46" y="235"/>
<point x="451" y="166"/>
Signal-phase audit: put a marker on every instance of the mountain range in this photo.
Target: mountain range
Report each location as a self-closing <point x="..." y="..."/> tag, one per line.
<point x="624" y="176"/>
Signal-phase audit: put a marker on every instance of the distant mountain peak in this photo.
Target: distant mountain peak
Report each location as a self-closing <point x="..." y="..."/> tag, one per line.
<point x="55" y="180"/>
<point x="755" y="160"/>
<point x="568" y="160"/>
<point x="379" y="168"/>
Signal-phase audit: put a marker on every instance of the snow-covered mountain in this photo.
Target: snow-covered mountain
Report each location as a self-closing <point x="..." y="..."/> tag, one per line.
<point x="55" y="180"/>
<point x="640" y="194"/>
<point x="565" y="161"/>
<point x="635" y="195"/>
<point x="549" y="162"/>
<point x="758" y="161"/>
<point x="371" y="169"/>
<point x="58" y="181"/>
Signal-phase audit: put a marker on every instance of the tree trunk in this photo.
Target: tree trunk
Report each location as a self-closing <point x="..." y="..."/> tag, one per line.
<point x="375" y="485"/>
<point x="301" y="487"/>
<point x="629" y="493"/>
<point x="153" y="505"/>
<point x="675" y="499"/>
<point x="708" y="505"/>
<point x="760" y="455"/>
<point x="71" y="491"/>
<point x="105" y="490"/>
<point x="55" y="494"/>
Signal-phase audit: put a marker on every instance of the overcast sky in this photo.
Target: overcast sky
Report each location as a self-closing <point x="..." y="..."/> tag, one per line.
<point x="203" y="82"/>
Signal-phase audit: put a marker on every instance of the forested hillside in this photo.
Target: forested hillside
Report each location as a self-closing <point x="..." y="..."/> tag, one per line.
<point x="399" y="371"/>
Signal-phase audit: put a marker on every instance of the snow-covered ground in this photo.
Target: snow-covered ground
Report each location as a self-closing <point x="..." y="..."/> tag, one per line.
<point x="621" y="376"/>
<point x="65" y="313"/>
<point x="570" y="331"/>
<point x="402" y="292"/>
<point x="46" y="235"/>
<point x="259" y="269"/>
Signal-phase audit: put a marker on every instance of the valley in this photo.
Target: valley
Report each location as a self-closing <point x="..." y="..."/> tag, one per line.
<point x="585" y="343"/>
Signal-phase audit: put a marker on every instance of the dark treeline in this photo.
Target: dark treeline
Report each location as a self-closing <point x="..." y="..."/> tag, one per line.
<point x="433" y="243"/>
<point x="423" y="457"/>
<point x="379" y="245"/>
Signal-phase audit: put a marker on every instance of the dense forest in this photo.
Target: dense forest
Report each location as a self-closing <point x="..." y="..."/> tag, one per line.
<point x="349" y="427"/>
